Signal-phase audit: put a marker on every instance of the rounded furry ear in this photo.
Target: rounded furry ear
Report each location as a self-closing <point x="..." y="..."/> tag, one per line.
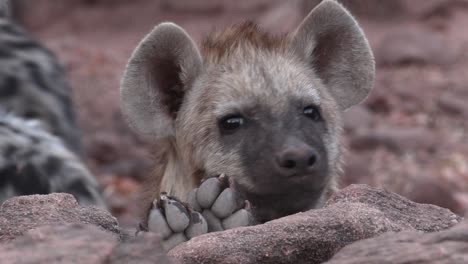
<point x="334" y="45"/>
<point x="157" y="76"/>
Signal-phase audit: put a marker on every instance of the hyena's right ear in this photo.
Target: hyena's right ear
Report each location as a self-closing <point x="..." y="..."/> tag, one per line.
<point x="156" y="78"/>
<point x="334" y="45"/>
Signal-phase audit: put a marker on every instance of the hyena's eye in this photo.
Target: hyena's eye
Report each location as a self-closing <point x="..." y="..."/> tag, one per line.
<point x="231" y="123"/>
<point x="313" y="113"/>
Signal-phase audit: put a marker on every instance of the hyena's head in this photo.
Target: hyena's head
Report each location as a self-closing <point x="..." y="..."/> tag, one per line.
<point x="265" y="110"/>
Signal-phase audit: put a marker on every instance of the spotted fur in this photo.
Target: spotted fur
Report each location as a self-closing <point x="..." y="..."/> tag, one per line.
<point x="33" y="84"/>
<point x="39" y="140"/>
<point x="33" y="161"/>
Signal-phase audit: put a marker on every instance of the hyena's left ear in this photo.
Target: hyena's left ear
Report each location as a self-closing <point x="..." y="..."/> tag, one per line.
<point x="334" y="45"/>
<point x="158" y="74"/>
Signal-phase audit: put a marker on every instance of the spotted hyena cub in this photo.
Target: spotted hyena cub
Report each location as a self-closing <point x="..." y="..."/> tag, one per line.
<point x="39" y="139"/>
<point x="253" y="119"/>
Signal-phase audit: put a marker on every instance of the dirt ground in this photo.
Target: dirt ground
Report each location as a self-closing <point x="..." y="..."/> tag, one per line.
<point x="409" y="137"/>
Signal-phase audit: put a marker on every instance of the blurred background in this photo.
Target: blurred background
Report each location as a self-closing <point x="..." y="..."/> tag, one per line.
<point x="410" y="136"/>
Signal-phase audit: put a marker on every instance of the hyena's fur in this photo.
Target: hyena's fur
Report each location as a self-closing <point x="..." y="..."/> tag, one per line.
<point x="32" y="161"/>
<point x="176" y="94"/>
<point x="237" y="46"/>
<point x="33" y="84"/>
<point x="39" y="143"/>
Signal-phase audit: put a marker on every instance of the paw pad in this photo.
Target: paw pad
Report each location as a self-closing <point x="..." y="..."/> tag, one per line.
<point x="214" y="206"/>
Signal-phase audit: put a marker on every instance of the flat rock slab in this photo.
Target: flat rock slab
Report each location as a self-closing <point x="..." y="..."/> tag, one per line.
<point x="23" y="213"/>
<point x="355" y="213"/>
<point x="408" y="45"/>
<point x="79" y="243"/>
<point x="445" y="247"/>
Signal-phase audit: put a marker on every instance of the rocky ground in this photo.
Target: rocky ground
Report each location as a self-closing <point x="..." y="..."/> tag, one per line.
<point x="409" y="137"/>
<point x="359" y="224"/>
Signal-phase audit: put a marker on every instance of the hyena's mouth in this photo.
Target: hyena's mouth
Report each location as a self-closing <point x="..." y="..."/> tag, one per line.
<point x="273" y="206"/>
<point x="277" y="185"/>
<point x="282" y="198"/>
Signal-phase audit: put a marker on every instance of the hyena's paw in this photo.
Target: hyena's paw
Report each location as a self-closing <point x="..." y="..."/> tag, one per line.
<point x="214" y="206"/>
<point x="174" y="221"/>
<point x="220" y="205"/>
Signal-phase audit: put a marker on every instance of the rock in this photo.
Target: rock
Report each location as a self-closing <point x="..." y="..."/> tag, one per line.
<point x="73" y="243"/>
<point x="461" y="199"/>
<point x="397" y="139"/>
<point x="392" y="10"/>
<point x="44" y="14"/>
<point x="358" y="118"/>
<point x="23" y="213"/>
<point x="448" y="246"/>
<point x="428" y="188"/>
<point x="453" y="104"/>
<point x="191" y="6"/>
<point x="206" y="6"/>
<point x="356" y="212"/>
<point x="425" y="8"/>
<point x="357" y="169"/>
<point x="379" y="10"/>
<point x="144" y="249"/>
<point x="281" y="18"/>
<point x="399" y="211"/>
<point x="415" y="46"/>
<point x="79" y="243"/>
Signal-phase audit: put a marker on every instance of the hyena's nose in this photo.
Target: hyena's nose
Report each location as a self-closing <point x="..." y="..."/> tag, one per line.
<point x="297" y="159"/>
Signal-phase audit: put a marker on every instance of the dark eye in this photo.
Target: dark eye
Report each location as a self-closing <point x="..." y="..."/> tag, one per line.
<point x="231" y="123"/>
<point x="313" y="113"/>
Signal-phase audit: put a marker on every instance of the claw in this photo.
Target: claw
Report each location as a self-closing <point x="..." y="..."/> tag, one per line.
<point x="225" y="181"/>
<point x="177" y="215"/>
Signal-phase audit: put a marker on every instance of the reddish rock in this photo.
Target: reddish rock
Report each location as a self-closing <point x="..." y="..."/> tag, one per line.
<point x="23" y="213"/>
<point x="358" y="118"/>
<point x="397" y="139"/>
<point x="453" y="104"/>
<point x="79" y="243"/>
<point x="426" y="8"/>
<point x="415" y="46"/>
<point x="357" y="212"/>
<point x="72" y="243"/>
<point x="214" y="5"/>
<point x="144" y="249"/>
<point x="281" y="17"/>
<point x="394" y="9"/>
<point x="380" y="10"/>
<point x="444" y="247"/>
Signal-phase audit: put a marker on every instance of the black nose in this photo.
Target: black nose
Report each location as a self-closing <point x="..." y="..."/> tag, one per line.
<point x="297" y="159"/>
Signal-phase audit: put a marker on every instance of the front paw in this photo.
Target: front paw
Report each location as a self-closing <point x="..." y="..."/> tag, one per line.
<point x="220" y="205"/>
<point x="214" y="206"/>
<point x="174" y="221"/>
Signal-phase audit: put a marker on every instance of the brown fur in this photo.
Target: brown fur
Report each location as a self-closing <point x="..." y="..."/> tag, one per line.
<point x="219" y="46"/>
<point x="162" y="151"/>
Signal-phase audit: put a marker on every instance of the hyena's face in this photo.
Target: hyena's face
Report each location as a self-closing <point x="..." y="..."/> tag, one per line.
<point x="265" y="120"/>
<point x="264" y="110"/>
